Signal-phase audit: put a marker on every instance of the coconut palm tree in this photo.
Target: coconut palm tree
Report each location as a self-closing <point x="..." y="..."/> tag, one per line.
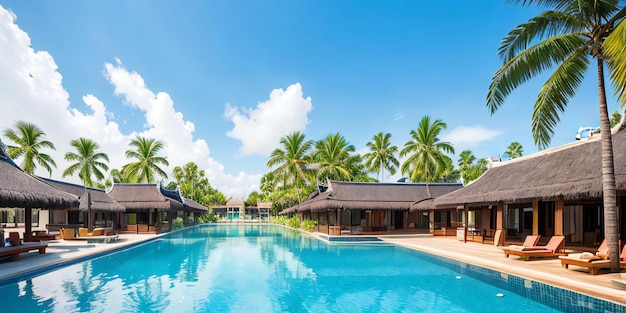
<point x="466" y="161"/>
<point x="146" y="150"/>
<point x="426" y="160"/>
<point x="291" y="160"/>
<point x="381" y="156"/>
<point x="566" y="39"/>
<point x="88" y="161"/>
<point x="514" y="150"/>
<point x="616" y="118"/>
<point x="332" y="154"/>
<point x="28" y="139"/>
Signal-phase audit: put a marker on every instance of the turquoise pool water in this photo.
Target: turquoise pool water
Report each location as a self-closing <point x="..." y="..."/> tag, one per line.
<point x="221" y="268"/>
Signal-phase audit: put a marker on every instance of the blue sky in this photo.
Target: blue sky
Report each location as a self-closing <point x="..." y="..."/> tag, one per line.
<point x="219" y="82"/>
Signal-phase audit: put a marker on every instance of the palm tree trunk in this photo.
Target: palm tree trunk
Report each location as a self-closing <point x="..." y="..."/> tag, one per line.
<point x="608" y="175"/>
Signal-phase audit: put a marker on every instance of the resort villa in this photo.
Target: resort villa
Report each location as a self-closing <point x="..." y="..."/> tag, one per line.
<point x="357" y="208"/>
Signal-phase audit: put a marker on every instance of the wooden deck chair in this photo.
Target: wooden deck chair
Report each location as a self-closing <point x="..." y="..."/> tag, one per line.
<point x="593" y="261"/>
<point x="14" y="237"/>
<point x="553" y="248"/>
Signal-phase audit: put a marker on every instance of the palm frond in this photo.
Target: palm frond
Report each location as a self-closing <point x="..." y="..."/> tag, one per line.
<point x="560" y="87"/>
<point x="528" y="64"/>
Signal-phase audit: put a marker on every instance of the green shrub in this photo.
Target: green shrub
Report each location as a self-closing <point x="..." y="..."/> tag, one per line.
<point x="207" y="218"/>
<point x="309" y="225"/>
<point x="280" y="220"/>
<point x="178" y="223"/>
<point x="294" y="222"/>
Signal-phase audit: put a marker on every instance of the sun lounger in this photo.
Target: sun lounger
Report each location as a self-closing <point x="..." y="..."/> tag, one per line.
<point x="553" y="248"/>
<point x="530" y="241"/>
<point x="593" y="262"/>
<point x="15" y="251"/>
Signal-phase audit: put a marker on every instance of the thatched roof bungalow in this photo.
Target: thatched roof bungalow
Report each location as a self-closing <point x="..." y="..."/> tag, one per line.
<point x="19" y="189"/>
<point x="571" y="172"/>
<point x="357" y="207"/>
<point x="146" y="197"/>
<point x="553" y="192"/>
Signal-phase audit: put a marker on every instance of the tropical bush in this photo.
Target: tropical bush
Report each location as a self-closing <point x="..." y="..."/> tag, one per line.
<point x="280" y="220"/>
<point x="294" y="222"/>
<point x="207" y="218"/>
<point x="178" y="223"/>
<point x="309" y="225"/>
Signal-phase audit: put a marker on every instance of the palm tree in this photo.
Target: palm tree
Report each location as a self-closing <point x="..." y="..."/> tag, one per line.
<point x="146" y="150"/>
<point x="88" y="161"/>
<point x="381" y="156"/>
<point x="332" y="154"/>
<point x="29" y="141"/>
<point x="466" y="161"/>
<point x="566" y="39"/>
<point x="291" y="160"/>
<point x="514" y="150"/>
<point x="616" y="118"/>
<point x="426" y="158"/>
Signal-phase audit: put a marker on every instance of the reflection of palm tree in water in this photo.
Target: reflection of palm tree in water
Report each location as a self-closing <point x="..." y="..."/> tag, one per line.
<point x="88" y="291"/>
<point x="147" y="296"/>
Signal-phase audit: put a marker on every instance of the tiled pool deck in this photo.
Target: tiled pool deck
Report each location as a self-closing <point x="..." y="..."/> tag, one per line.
<point x="547" y="271"/>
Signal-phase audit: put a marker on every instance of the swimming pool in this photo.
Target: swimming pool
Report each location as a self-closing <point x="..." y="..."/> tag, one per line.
<point x="261" y="268"/>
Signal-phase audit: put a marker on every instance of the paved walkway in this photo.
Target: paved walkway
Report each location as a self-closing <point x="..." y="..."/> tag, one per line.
<point x="60" y="251"/>
<point x="548" y="271"/>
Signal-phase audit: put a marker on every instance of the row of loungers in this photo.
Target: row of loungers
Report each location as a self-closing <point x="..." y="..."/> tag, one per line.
<point x="98" y="235"/>
<point x="555" y="248"/>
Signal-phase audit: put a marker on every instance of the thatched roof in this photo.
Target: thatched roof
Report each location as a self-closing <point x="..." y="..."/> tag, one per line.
<point x="195" y="206"/>
<point x="143" y="197"/>
<point x="100" y="201"/>
<point x="19" y="189"/>
<point x="426" y="204"/>
<point x="372" y="196"/>
<point x="572" y="172"/>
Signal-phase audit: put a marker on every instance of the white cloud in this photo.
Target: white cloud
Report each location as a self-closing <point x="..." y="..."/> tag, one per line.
<point x="468" y="137"/>
<point x="260" y="129"/>
<point x="31" y="89"/>
<point x="398" y="116"/>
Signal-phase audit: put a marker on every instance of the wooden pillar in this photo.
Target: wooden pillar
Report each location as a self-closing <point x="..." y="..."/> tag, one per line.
<point x="500" y="222"/>
<point x="431" y="221"/>
<point x="465" y="222"/>
<point x="559" y="205"/>
<point x="28" y="223"/>
<point x="535" y="217"/>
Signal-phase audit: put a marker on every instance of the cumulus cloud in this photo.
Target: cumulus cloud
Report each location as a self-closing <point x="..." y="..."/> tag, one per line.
<point x="468" y="137"/>
<point x="31" y="89"/>
<point x="261" y="128"/>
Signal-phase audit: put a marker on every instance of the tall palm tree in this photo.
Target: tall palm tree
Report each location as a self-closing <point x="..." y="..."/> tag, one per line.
<point x="514" y="150"/>
<point x="28" y="139"/>
<point x="291" y="160"/>
<point x="88" y="161"/>
<point x="382" y="155"/>
<point x="426" y="154"/>
<point x="566" y="39"/>
<point x="332" y="154"/>
<point x="146" y="150"/>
